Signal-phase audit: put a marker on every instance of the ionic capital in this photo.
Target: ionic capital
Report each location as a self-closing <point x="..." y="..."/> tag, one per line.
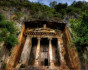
<point x="38" y="38"/>
<point x="50" y="38"/>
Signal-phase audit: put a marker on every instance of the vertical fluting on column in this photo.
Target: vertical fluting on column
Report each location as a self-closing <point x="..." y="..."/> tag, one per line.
<point x="61" y="51"/>
<point x="26" y="51"/>
<point x="37" y="52"/>
<point x="50" y="52"/>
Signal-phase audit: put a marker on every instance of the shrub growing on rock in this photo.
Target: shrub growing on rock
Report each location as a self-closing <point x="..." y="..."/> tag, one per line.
<point x="11" y="41"/>
<point x="7" y="32"/>
<point x="23" y="66"/>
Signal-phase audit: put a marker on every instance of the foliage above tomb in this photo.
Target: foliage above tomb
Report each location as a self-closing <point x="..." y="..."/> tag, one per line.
<point x="79" y="29"/>
<point x="58" y="10"/>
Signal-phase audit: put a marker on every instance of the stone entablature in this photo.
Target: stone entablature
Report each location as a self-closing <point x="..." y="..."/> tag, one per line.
<point x="42" y="32"/>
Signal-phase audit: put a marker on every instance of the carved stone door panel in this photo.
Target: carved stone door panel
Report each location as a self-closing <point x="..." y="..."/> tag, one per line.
<point x="44" y="55"/>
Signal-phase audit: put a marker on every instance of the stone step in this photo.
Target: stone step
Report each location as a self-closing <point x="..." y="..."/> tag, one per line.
<point x="38" y="68"/>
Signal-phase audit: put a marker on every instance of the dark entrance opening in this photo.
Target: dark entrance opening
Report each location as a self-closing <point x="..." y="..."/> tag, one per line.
<point x="55" y="49"/>
<point x="32" y="52"/>
<point x="46" y="62"/>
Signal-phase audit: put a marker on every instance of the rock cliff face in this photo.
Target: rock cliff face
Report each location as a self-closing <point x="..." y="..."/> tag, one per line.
<point x="71" y="56"/>
<point x="73" y="61"/>
<point x="16" y="53"/>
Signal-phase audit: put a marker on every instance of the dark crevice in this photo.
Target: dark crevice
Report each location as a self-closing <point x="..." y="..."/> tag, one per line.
<point x="53" y="25"/>
<point x="67" y="59"/>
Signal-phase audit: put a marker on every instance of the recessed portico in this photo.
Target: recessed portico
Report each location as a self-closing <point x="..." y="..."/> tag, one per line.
<point x="45" y="47"/>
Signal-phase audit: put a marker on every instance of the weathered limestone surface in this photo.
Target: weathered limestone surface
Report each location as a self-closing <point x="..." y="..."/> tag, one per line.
<point x="26" y="51"/>
<point x="61" y="51"/>
<point x="72" y="53"/>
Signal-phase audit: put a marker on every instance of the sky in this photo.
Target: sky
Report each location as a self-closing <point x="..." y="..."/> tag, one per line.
<point x="47" y="2"/>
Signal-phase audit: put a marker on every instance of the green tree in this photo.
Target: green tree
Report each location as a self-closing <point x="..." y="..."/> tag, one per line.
<point x="2" y="17"/>
<point x="4" y="33"/>
<point x="19" y="15"/>
<point x="11" y="41"/>
<point x="8" y="25"/>
<point x="79" y="29"/>
<point x="78" y="4"/>
<point x="60" y="6"/>
<point x="52" y="4"/>
<point x="7" y="32"/>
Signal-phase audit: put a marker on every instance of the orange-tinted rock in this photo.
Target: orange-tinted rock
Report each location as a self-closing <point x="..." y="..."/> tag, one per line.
<point x="16" y="51"/>
<point x="71" y="55"/>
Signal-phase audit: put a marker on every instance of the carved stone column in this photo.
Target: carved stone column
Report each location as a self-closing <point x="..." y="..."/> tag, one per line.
<point x="50" y="52"/>
<point x="37" y="53"/>
<point x="26" y="51"/>
<point x="61" y="51"/>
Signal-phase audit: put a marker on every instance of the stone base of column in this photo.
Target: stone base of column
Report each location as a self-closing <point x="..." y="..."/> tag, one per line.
<point x="64" y="67"/>
<point x="36" y="63"/>
<point x="19" y="65"/>
<point x="52" y="64"/>
<point x="63" y="63"/>
<point x="25" y="62"/>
